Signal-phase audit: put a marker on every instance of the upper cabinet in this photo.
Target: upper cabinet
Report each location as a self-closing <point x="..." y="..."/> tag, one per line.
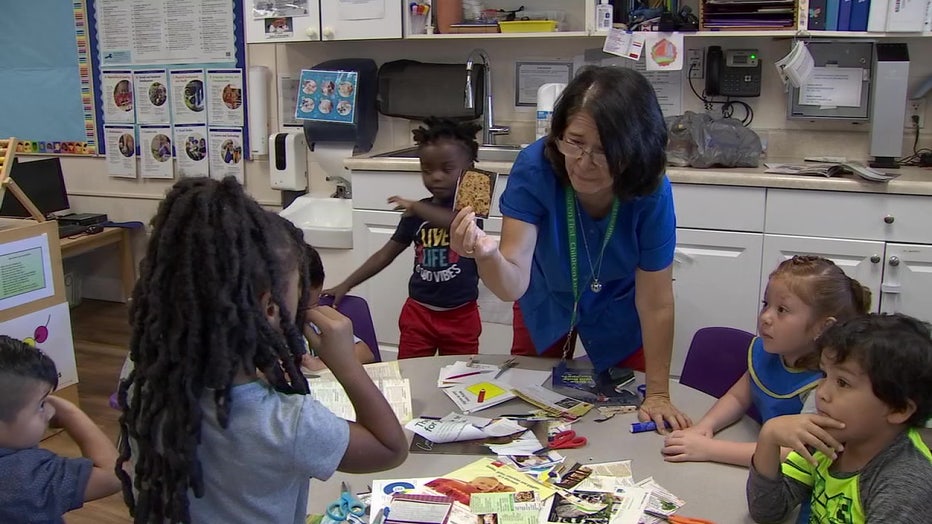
<point x="325" y="20"/>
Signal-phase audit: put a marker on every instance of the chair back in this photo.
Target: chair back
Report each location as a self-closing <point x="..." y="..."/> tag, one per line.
<point x="717" y="358"/>
<point x="357" y="310"/>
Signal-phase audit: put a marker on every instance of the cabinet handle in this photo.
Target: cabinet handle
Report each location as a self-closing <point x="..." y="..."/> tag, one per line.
<point x="894" y="261"/>
<point x="311" y="32"/>
<point x="328" y="33"/>
<point x="875" y="259"/>
<point x="890" y="289"/>
<point x="888" y="219"/>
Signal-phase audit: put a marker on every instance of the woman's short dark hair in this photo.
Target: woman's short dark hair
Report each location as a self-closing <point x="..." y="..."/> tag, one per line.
<point x="631" y="127"/>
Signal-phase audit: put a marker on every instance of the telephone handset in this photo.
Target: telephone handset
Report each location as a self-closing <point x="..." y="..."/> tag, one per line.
<point x="735" y="72"/>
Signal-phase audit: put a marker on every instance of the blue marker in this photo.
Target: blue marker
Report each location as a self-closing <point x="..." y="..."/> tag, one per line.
<point x="641" y="427"/>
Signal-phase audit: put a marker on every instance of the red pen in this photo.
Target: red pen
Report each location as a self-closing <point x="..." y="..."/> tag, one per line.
<point x="471" y="373"/>
<point x="481" y="396"/>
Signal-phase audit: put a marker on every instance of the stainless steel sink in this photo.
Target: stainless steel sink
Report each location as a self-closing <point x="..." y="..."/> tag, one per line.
<point x="486" y="153"/>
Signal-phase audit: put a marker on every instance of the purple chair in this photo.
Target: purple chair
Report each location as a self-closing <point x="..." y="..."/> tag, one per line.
<point x="717" y="358"/>
<point x="357" y="309"/>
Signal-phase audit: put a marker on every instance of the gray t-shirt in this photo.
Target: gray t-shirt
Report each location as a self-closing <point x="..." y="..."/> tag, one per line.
<point x="894" y="487"/>
<point x="259" y="468"/>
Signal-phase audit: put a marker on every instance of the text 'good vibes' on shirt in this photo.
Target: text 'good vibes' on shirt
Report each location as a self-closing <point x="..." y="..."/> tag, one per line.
<point x="441" y="278"/>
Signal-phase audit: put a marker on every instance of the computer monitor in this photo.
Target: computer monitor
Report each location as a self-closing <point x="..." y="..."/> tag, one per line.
<point x="42" y="181"/>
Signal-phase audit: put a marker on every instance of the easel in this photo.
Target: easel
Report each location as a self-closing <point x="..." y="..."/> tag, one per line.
<point x="36" y="227"/>
<point x="7" y="152"/>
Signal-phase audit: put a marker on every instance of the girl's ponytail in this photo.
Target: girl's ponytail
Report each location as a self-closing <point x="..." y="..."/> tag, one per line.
<point x="861" y="295"/>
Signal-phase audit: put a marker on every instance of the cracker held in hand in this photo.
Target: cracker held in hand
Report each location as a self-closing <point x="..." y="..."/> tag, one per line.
<point x="475" y="190"/>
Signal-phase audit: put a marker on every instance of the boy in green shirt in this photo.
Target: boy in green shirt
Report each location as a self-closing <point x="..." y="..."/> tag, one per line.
<point x="861" y="458"/>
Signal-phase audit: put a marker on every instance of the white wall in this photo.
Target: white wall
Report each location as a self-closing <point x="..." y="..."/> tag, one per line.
<point x="92" y="190"/>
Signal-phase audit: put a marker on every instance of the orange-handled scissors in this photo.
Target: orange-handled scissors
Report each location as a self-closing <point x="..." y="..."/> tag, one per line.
<point x="677" y="519"/>
<point x="564" y="440"/>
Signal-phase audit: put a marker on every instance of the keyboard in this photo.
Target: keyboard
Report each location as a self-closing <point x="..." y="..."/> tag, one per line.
<point x="70" y="230"/>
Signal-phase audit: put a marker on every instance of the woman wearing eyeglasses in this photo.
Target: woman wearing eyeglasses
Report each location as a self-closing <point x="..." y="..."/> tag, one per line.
<point x="588" y="235"/>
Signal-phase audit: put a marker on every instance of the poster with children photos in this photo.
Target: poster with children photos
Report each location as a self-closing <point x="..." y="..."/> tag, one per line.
<point x="327" y="96"/>
<point x="191" y="150"/>
<point x="225" y="151"/>
<point x="117" y="89"/>
<point x="155" y="149"/>
<point x="151" y="88"/>
<point x="225" y="97"/>
<point x="121" y="150"/>
<point x="188" y="98"/>
<point x="48" y="329"/>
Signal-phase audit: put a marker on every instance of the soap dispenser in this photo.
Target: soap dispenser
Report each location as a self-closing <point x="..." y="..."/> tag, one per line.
<point x="603" y="16"/>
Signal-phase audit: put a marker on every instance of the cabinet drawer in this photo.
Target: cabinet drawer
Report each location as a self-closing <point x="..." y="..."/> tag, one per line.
<point x="869" y="216"/>
<point x="719" y="207"/>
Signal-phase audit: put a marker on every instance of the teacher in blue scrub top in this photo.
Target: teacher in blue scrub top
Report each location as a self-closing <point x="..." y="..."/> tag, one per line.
<point x="588" y="235"/>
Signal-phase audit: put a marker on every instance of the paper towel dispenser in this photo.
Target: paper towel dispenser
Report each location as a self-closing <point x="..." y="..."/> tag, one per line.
<point x="363" y="129"/>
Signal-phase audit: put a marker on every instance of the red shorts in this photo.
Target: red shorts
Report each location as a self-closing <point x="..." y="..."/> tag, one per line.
<point x="425" y="331"/>
<point x="521" y="344"/>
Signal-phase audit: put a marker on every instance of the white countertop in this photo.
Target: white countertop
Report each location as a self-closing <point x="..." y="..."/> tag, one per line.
<point x="912" y="180"/>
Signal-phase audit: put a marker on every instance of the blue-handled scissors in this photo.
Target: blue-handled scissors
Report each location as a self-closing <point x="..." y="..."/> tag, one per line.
<point x="344" y="506"/>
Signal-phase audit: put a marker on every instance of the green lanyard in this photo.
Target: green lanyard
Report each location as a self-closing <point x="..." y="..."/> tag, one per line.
<point x="574" y="246"/>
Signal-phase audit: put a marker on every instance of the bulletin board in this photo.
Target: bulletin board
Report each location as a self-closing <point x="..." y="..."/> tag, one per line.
<point x="59" y="83"/>
<point x="46" y="93"/>
<point x="169" y="87"/>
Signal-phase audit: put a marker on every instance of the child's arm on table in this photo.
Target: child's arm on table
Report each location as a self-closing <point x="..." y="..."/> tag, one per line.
<point x="696" y="443"/>
<point x="772" y="495"/>
<point x="376" y="440"/>
<point x="437" y="216"/>
<point x="94" y="446"/>
<point x="371" y="267"/>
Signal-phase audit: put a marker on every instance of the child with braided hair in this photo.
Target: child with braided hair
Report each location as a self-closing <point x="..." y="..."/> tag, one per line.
<point x="441" y="313"/>
<point x="217" y="423"/>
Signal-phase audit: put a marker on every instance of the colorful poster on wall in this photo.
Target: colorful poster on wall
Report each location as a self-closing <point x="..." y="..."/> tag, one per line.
<point x="188" y="98"/>
<point x="25" y="271"/>
<point x="117" y="88"/>
<point x="48" y="329"/>
<point x="121" y="150"/>
<point x="191" y="150"/>
<point x="225" y="150"/>
<point x="155" y="148"/>
<point x="327" y="96"/>
<point x="225" y="97"/>
<point x="664" y="51"/>
<point x="152" y="105"/>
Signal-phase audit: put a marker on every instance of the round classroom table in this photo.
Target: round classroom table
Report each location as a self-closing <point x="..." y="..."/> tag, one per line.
<point x="711" y="491"/>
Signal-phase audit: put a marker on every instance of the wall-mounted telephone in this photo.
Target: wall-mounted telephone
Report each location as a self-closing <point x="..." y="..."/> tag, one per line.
<point x="734" y="72"/>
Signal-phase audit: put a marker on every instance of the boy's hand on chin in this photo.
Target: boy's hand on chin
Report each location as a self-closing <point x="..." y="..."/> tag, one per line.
<point x="802" y="432"/>
<point x="334" y="342"/>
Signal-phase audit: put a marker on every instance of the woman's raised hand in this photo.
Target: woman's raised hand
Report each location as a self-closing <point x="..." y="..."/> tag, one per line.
<point x="467" y="238"/>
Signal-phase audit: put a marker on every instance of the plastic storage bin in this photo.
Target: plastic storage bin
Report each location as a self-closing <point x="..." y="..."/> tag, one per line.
<point x="528" y="26"/>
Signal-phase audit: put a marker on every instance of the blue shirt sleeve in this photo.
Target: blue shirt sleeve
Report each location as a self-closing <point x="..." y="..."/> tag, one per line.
<point x="321" y="440"/>
<point x="407" y="228"/>
<point x="523" y="198"/>
<point x="38" y="482"/>
<point x="656" y="229"/>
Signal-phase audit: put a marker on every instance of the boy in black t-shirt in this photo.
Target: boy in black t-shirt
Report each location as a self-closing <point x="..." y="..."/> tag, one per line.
<point x="441" y="313"/>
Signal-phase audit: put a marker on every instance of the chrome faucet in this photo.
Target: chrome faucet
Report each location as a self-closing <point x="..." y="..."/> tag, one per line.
<point x="489" y="127"/>
<point x="344" y="187"/>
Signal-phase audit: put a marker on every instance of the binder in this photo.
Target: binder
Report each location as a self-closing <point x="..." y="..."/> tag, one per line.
<point x="844" y="15"/>
<point x="831" y="15"/>
<point x="859" y="12"/>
